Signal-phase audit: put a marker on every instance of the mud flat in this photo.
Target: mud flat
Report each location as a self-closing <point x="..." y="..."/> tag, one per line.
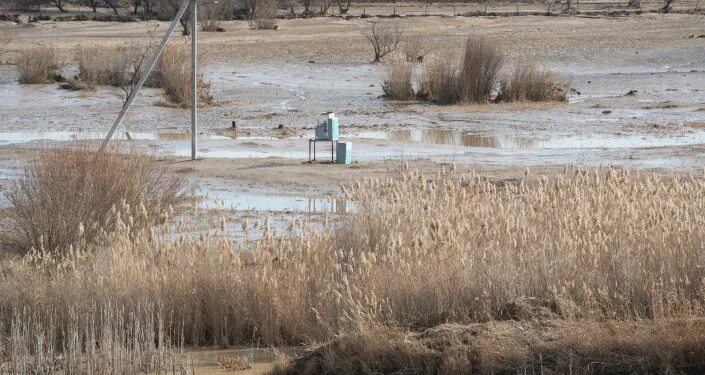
<point x="637" y="101"/>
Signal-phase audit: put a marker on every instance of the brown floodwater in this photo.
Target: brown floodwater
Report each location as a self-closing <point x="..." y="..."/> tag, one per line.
<point x="231" y="361"/>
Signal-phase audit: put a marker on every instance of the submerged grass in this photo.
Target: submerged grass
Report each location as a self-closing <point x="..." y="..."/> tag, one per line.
<point x="421" y="251"/>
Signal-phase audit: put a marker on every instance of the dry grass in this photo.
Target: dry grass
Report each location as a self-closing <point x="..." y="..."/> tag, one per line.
<point x="37" y="65"/>
<point x="419" y="252"/>
<point x="264" y="17"/>
<point x="68" y="198"/>
<point x="116" y="66"/>
<point x="102" y="341"/>
<point x="479" y="71"/>
<point x="414" y="48"/>
<point x="104" y="65"/>
<point x="528" y="82"/>
<point x="439" y="82"/>
<point x="174" y="76"/>
<point x="397" y="85"/>
<point x="612" y="347"/>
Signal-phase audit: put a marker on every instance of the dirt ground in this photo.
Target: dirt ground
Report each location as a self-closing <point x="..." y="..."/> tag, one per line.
<point x="274" y="84"/>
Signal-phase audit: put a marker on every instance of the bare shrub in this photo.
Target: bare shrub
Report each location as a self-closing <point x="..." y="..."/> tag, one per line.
<point x="414" y="48"/>
<point x="67" y="197"/>
<point x="479" y="71"/>
<point x="528" y="82"/>
<point x="174" y="76"/>
<point x="263" y="24"/>
<point x="264" y="16"/>
<point x="439" y="83"/>
<point x="37" y="65"/>
<point x="211" y="15"/>
<point x="397" y="85"/>
<point x="383" y="37"/>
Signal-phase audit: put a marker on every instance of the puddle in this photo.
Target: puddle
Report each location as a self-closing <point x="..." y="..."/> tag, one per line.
<point x="67" y="135"/>
<point x="248" y="201"/>
<point x="230" y="361"/>
<point x="464" y="139"/>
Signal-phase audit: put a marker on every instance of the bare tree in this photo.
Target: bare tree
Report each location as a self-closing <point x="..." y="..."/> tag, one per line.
<point x="384" y="38"/>
<point x="59" y="4"/>
<point x="307" y="6"/>
<point x="169" y="8"/>
<point x="135" y="62"/>
<point x="343" y="6"/>
<point x="210" y="15"/>
<point x="113" y="4"/>
<point x="324" y="5"/>
<point x="666" y="6"/>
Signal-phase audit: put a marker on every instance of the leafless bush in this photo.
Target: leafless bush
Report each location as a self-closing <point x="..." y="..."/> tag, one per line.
<point x="397" y="85"/>
<point x="211" y="15"/>
<point x="439" y="83"/>
<point x="67" y="197"/>
<point x="414" y="48"/>
<point x="383" y="37"/>
<point x="172" y="75"/>
<point x="528" y="82"/>
<point x="263" y="24"/>
<point x="264" y="16"/>
<point x="37" y="65"/>
<point x="479" y="71"/>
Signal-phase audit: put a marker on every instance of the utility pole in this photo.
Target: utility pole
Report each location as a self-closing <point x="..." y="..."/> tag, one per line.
<point x="194" y="73"/>
<point x="194" y="78"/>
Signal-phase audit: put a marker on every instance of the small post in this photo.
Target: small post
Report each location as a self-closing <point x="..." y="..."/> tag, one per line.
<point x="194" y="78"/>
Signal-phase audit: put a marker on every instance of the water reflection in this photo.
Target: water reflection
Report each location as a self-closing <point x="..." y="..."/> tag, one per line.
<point x="247" y="201"/>
<point x="456" y="138"/>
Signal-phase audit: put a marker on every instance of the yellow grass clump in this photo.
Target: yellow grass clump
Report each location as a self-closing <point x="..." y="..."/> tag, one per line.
<point x="37" y="65"/>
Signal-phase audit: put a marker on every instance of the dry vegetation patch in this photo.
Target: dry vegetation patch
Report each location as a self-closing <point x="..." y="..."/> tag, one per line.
<point x="509" y="347"/>
<point x="592" y="245"/>
<point x="37" y="65"/>
<point x="68" y="198"/>
<point x="480" y="77"/>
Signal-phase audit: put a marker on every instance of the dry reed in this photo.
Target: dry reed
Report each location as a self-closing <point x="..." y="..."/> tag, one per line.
<point x="420" y="251"/>
<point x="105" y="65"/>
<point x="479" y="71"/>
<point x="67" y="197"/>
<point x="173" y="74"/>
<point x="37" y="65"/>
<point x="109" y="340"/>
<point x="528" y="82"/>
<point x="397" y="85"/>
<point x="510" y="347"/>
<point x="438" y="82"/>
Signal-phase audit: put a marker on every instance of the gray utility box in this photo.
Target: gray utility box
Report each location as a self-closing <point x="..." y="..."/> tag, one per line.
<point x="344" y="153"/>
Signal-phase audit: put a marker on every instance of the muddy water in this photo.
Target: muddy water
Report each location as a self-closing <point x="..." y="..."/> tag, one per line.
<point x="247" y="361"/>
<point x="659" y="125"/>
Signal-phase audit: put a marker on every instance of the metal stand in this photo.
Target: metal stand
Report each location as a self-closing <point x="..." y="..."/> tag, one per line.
<point x="313" y="141"/>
